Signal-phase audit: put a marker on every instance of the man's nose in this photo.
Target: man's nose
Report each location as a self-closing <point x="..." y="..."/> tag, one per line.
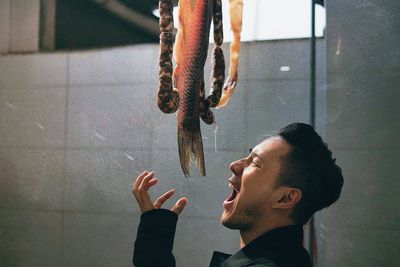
<point x="237" y="167"/>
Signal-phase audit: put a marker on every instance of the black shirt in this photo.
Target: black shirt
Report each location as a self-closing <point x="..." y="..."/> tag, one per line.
<point x="280" y="247"/>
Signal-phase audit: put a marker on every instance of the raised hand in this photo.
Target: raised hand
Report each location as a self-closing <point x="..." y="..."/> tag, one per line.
<point x="140" y="190"/>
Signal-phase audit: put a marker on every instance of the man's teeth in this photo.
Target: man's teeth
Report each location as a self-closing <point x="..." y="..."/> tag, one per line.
<point x="232" y="196"/>
<point x="231" y="186"/>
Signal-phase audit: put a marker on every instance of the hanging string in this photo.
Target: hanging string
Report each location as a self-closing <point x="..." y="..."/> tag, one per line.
<point x="215" y="126"/>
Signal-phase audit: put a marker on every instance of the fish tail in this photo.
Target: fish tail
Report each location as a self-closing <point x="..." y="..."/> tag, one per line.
<point x="190" y="142"/>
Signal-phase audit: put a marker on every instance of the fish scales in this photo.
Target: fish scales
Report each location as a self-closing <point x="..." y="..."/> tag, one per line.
<point x="195" y="18"/>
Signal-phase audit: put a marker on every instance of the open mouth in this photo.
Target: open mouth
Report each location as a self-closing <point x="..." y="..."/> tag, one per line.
<point x="229" y="202"/>
<point x="232" y="196"/>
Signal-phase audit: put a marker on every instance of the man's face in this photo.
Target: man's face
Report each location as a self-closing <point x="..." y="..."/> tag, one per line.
<point x="254" y="183"/>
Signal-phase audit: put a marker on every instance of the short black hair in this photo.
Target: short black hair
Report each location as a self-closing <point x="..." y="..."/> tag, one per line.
<point x="309" y="166"/>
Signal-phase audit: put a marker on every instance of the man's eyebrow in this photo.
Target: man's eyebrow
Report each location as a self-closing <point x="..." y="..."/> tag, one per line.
<point x="254" y="154"/>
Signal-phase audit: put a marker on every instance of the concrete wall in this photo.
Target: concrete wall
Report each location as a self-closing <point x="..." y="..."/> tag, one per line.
<point x="76" y="128"/>
<point x="363" y="59"/>
<point x="19" y="25"/>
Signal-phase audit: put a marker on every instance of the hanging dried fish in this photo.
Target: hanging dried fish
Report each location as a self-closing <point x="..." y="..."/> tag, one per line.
<point x="182" y="89"/>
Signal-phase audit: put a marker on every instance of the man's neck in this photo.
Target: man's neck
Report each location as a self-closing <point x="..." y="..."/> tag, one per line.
<point x="247" y="236"/>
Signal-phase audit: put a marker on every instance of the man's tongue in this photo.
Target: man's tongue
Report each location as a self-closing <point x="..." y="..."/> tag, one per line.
<point x="232" y="196"/>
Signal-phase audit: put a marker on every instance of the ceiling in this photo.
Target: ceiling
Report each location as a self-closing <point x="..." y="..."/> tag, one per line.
<point x="84" y="24"/>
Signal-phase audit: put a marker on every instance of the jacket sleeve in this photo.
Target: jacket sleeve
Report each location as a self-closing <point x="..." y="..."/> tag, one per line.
<point x="155" y="239"/>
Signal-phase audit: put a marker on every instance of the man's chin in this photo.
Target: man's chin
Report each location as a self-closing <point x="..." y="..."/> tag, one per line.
<point x="227" y="221"/>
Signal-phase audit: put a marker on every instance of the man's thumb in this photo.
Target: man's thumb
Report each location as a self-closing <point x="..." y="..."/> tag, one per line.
<point x="179" y="205"/>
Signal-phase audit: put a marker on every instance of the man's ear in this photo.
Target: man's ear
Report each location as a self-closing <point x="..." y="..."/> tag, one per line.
<point x="287" y="197"/>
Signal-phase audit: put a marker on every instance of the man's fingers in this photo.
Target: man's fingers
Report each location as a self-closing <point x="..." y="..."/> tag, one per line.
<point x="180" y="205"/>
<point x="152" y="182"/>
<point x="144" y="185"/>
<point x="144" y="191"/>
<point x="140" y="190"/>
<point x="138" y="180"/>
<point x="161" y="200"/>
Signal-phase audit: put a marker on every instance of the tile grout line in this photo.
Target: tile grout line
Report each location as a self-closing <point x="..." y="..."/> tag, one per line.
<point x="9" y="26"/>
<point x="67" y="87"/>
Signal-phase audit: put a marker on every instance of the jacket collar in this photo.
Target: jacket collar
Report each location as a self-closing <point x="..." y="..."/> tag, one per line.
<point x="282" y="237"/>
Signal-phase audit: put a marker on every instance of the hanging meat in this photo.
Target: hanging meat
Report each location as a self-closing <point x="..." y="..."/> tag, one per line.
<point x="182" y="88"/>
<point x="236" y="13"/>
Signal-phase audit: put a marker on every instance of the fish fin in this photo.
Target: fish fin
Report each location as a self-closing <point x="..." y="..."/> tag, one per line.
<point x="190" y="143"/>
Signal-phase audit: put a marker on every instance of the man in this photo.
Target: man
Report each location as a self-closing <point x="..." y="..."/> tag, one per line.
<point x="275" y="190"/>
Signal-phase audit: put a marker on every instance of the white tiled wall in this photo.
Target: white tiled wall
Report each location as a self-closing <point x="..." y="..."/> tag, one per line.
<point x="77" y="127"/>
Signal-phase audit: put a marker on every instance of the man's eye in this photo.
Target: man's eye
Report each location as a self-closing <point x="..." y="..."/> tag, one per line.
<point x="254" y="163"/>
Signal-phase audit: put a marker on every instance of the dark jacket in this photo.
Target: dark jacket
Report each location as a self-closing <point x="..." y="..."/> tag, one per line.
<point x="280" y="247"/>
